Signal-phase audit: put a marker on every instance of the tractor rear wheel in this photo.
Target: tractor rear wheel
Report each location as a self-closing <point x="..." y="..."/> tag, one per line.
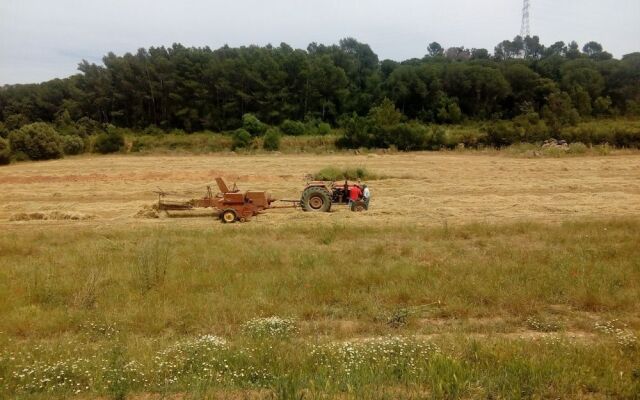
<point x="316" y="199"/>
<point x="228" y="216"/>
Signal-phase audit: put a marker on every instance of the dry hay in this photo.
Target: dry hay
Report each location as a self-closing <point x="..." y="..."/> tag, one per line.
<point x="148" y="211"/>
<point x="420" y="188"/>
<point x="51" y="216"/>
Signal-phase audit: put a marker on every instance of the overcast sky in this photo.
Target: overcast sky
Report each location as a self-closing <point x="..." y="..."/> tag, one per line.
<point x="45" y="39"/>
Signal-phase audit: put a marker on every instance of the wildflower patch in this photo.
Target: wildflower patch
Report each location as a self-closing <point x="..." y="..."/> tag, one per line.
<point x="271" y="327"/>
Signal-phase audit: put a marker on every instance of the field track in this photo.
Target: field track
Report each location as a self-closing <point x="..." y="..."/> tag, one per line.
<point x="425" y="188"/>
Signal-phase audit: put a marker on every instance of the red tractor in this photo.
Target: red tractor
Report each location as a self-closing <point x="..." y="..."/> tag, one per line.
<point x="318" y="196"/>
<point x="233" y="205"/>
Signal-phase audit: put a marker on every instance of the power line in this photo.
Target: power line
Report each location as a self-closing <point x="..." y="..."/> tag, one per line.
<point x="525" y="28"/>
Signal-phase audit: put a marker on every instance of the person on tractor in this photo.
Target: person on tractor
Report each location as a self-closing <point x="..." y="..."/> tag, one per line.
<point x="355" y="193"/>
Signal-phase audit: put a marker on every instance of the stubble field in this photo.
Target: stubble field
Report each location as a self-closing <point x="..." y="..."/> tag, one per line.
<point x="472" y="276"/>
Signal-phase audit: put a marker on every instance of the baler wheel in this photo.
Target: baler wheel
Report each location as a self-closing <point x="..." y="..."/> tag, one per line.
<point x="317" y="199"/>
<point x="228" y="216"/>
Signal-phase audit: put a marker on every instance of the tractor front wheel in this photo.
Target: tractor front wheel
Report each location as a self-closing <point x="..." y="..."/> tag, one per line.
<point x="316" y="199"/>
<point x="228" y="216"/>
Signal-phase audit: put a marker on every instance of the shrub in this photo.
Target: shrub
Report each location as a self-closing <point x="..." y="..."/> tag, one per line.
<point x="5" y="152"/>
<point x="253" y="125"/>
<point x="449" y="112"/>
<point x="358" y="132"/>
<point x="324" y="128"/>
<point x="502" y="133"/>
<point x="602" y="106"/>
<point x="438" y="139"/>
<point x="328" y="174"/>
<point x="532" y="128"/>
<point x="559" y="111"/>
<point x="39" y="141"/>
<point x="385" y="114"/>
<point x="4" y="131"/>
<point x="336" y="174"/>
<point x="109" y="142"/>
<point x="578" y="148"/>
<point x="271" y="140"/>
<point x="406" y="137"/>
<point x="72" y="145"/>
<point x="15" y="121"/>
<point x="241" y="139"/>
<point x="619" y="134"/>
<point x="152" y="130"/>
<point x="632" y="108"/>
<point x="19" y="156"/>
<point x="293" y="128"/>
<point x="88" y="125"/>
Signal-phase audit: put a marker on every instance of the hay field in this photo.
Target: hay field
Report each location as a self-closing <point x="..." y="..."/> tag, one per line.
<point x="419" y="188"/>
<point x="472" y="277"/>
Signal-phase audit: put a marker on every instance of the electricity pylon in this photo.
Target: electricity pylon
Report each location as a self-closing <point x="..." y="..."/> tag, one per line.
<point x="525" y="29"/>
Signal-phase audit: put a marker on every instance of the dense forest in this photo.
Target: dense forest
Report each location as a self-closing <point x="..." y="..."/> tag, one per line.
<point x="522" y="93"/>
<point x="199" y="88"/>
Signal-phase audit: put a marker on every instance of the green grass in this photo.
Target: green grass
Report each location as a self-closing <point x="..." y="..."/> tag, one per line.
<point x="209" y="142"/>
<point x="595" y="137"/>
<point x="117" y="311"/>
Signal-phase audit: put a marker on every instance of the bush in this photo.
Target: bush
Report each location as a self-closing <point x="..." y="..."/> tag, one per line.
<point x="39" y="141"/>
<point x="152" y="130"/>
<point x="324" y="128"/>
<point x="328" y="174"/>
<point x="618" y="133"/>
<point x="578" y="148"/>
<point x="72" y="145"/>
<point x="253" y="125"/>
<point x="438" y="139"/>
<point x="4" y="131"/>
<point x="5" y="152"/>
<point x="449" y="112"/>
<point x="293" y="128"/>
<point x="271" y="140"/>
<point x="531" y="128"/>
<point x="241" y="139"/>
<point x="632" y="108"/>
<point x="602" y="106"/>
<point x="358" y="132"/>
<point x="502" y="133"/>
<point x="88" y="125"/>
<point x="559" y="111"/>
<point x="337" y="174"/>
<point x="385" y="114"/>
<point x="109" y="142"/>
<point x="15" y="121"/>
<point x="405" y="137"/>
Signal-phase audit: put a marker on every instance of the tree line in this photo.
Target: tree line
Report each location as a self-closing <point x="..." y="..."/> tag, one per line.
<point x="194" y="89"/>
